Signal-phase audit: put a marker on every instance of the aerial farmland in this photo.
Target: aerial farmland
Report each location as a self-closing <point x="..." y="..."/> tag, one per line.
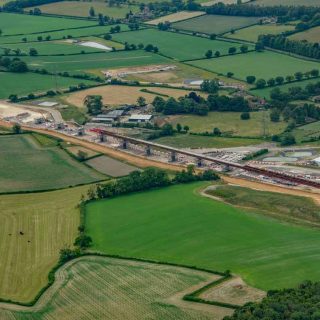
<point x="159" y="160"/>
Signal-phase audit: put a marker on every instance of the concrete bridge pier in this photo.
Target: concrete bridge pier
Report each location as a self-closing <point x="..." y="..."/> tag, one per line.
<point x="148" y="150"/>
<point x="102" y="137"/>
<point x="124" y="144"/>
<point x="173" y="156"/>
<point x="199" y="162"/>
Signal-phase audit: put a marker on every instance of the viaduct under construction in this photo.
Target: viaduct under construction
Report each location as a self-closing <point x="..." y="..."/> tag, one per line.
<point x="174" y="152"/>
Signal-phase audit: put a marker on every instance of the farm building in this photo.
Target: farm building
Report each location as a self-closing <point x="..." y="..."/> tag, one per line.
<point x="111" y="116"/>
<point x="138" y="118"/>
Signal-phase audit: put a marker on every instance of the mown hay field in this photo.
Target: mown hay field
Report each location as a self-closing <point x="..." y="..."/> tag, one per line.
<point x="214" y="23"/>
<point x="33" y="229"/>
<point x="100" y="61"/>
<point x="311" y="35"/>
<point x="110" y="167"/>
<point x="58" y="35"/>
<point x="82" y="8"/>
<point x="34" y="83"/>
<point x="174" y="45"/>
<point x="252" y="33"/>
<point x="264" y="65"/>
<point x="94" y="288"/>
<point x="176" y="224"/>
<point x="178" y="16"/>
<point x="118" y="95"/>
<point x="26" y="166"/>
<point x="12" y="24"/>
<point x="229" y="122"/>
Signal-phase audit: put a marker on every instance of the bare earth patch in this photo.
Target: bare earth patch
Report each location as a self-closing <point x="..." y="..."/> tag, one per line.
<point x="233" y="291"/>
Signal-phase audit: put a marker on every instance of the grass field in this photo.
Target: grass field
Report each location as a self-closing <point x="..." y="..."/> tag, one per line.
<point x="307" y="131"/>
<point x="214" y="23"/>
<point x="101" y="61"/>
<point x="11" y="23"/>
<point x="178" y="16"/>
<point x="266" y="91"/>
<point x="75" y="150"/>
<point x="285" y="207"/>
<point x="252" y="33"/>
<point x="49" y="222"/>
<point x="265" y="65"/>
<point x="27" y="166"/>
<point x="191" y="141"/>
<point x="97" y="288"/>
<point x="119" y="95"/>
<point x="110" y="167"/>
<point x="286" y="3"/>
<point x="33" y="83"/>
<point x="311" y="35"/>
<point x="177" y="46"/>
<point x="51" y="48"/>
<point x="176" y="224"/>
<point x="82" y="9"/>
<point x="228" y="122"/>
<point x="58" y="35"/>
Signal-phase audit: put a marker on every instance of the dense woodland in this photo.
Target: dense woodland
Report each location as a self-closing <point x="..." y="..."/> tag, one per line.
<point x="301" y="303"/>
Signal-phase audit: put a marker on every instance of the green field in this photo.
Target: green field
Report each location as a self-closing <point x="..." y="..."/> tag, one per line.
<point x="265" y="93"/>
<point x="311" y="35"/>
<point x="287" y="3"/>
<point x="95" y="288"/>
<point x="33" y="83"/>
<point x="27" y="166"/>
<point x="192" y="141"/>
<point x="308" y="131"/>
<point x="177" y="46"/>
<point x="58" y="35"/>
<point x="81" y="9"/>
<point x="214" y="23"/>
<point x="49" y="222"/>
<point x="51" y="48"/>
<point x="252" y="33"/>
<point x="284" y="207"/>
<point x="265" y="65"/>
<point x="229" y="122"/>
<point x="95" y="61"/>
<point x="176" y="224"/>
<point x="11" y="23"/>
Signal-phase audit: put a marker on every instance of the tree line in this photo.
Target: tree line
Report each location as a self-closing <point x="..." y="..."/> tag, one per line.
<point x="19" y="5"/>
<point x="280" y="42"/>
<point x="195" y="104"/>
<point x="301" y="303"/>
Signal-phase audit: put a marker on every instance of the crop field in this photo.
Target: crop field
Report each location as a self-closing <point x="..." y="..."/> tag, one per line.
<point x="284" y="207"/>
<point x="12" y="24"/>
<point x="192" y="141"/>
<point x="229" y="122"/>
<point x="51" y="48"/>
<point x="252" y="33"/>
<point x="184" y="227"/>
<point x="214" y="23"/>
<point x="58" y="35"/>
<point x="313" y="3"/>
<point x="110" y="167"/>
<point x="102" y="61"/>
<point x="311" y="35"/>
<point x="33" y="83"/>
<point x="88" y="288"/>
<point x="178" y="16"/>
<point x="177" y="46"/>
<point x="207" y="3"/>
<point x="33" y="229"/>
<point x="265" y="93"/>
<point x="264" y="65"/>
<point x="26" y="166"/>
<point x="82" y="9"/>
<point x="116" y="95"/>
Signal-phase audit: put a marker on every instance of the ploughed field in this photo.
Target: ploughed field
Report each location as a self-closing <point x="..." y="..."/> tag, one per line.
<point x="25" y="165"/>
<point x="107" y="288"/>
<point x="176" y="224"/>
